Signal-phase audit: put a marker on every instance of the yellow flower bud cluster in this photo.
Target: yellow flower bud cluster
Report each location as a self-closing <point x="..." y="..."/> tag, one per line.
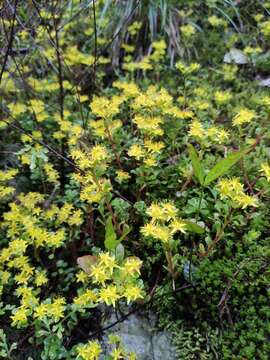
<point x="6" y="176"/>
<point x="215" y="134"/>
<point x="232" y="189"/>
<point x="164" y="222"/>
<point x="114" y="279"/>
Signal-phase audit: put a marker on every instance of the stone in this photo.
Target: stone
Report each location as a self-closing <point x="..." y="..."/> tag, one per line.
<point x="235" y="56"/>
<point x="138" y="334"/>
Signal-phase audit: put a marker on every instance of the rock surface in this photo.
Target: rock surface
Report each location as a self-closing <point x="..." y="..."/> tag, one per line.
<point x="138" y="334"/>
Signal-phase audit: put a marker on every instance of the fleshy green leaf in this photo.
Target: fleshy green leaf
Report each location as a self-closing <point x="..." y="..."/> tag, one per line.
<point x="110" y="235"/>
<point x="196" y="164"/>
<point x="222" y="167"/>
<point x="192" y="227"/>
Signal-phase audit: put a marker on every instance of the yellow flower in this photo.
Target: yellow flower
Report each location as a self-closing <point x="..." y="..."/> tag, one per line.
<point x="57" y="308"/>
<point x="216" y="21"/>
<point x="229" y="71"/>
<point x="244" y="200"/>
<point x="169" y="210"/>
<point x="98" y="153"/>
<point x="8" y="175"/>
<point x="81" y="276"/>
<point x="234" y="190"/>
<point x="150" y="161"/>
<point x="265" y="28"/>
<point x="41" y="278"/>
<point x="117" y="354"/>
<point x="51" y="173"/>
<point x="98" y="272"/>
<point x="136" y="151"/>
<point x="109" y="295"/>
<point x="258" y="17"/>
<point x="243" y="116"/>
<point x="76" y="218"/>
<point x="108" y="261"/>
<point x="265" y="168"/>
<point x="5" y="191"/>
<point x="252" y="50"/>
<point x="85" y="299"/>
<point x="104" y="107"/>
<point x="134" y="27"/>
<point x="20" y="316"/>
<point x="162" y="233"/>
<point x="187" y="69"/>
<point x="148" y="229"/>
<point x="56" y="239"/>
<point x="223" y="97"/>
<point x="122" y="175"/>
<point x="18" y="247"/>
<point x="178" y="225"/>
<point x="157" y="232"/>
<point x="132" y="293"/>
<point x="222" y="136"/>
<point x="4" y="277"/>
<point x="229" y="187"/>
<point x="188" y="30"/>
<point x="196" y="129"/>
<point x="17" y="109"/>
<point x="154" y="147"/>
<point x="130" y="89"/>
<point x="128" y="48"/>
<point x="156" y="212"/>
<point x="89" y="351"/>
<point x="41" y="311"/>
<point x="132" y="265"/>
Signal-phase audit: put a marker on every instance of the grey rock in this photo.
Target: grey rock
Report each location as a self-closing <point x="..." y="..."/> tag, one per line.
<point x="235" y="56"/>
<point x="265" y="82"/>
<point x="138" y="334"/>
<point x="162" y="348"/>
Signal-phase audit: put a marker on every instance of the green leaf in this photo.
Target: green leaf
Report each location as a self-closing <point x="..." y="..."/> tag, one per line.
<point x="222" y="167"/>
<point x="110" y="236"/>
<point x="192" y="227"/>
<point x="120" y="252"/>
<point x="196" y="164"/>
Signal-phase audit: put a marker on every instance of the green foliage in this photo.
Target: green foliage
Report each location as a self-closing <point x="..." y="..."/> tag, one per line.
<point x="196" y="164"/>
<point x="222" y="167"/>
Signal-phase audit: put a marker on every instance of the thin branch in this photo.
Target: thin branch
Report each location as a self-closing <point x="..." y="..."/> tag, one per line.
<point x="106" y="47"/>
<point x="136" y="309"/>
<point x="95" y="35"/>
<point x="40" y="142"/>
<point x="10" y="41"/>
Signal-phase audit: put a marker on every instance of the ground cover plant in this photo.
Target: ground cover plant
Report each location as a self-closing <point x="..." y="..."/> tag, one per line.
<point x="135" y="174"/>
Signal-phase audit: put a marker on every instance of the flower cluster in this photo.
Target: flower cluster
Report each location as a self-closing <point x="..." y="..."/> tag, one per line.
<point x="265" y="169"/>
<point x="213" y="133"/>
<point x="6" y="176"/>
<point x="243" y="116"/>
<point x="232" y="189"/>
<point x="92" y="350"/>
<point x="164" y="222"/>
<point x="94" y="187"/>
<point x="114" y="280"/>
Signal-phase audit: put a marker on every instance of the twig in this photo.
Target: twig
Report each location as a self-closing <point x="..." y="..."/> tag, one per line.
<point x="124" y="317"/>
<point x="106" y="47"/>
<point x="95" y="35"/>
<point x="10" y="41"/>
